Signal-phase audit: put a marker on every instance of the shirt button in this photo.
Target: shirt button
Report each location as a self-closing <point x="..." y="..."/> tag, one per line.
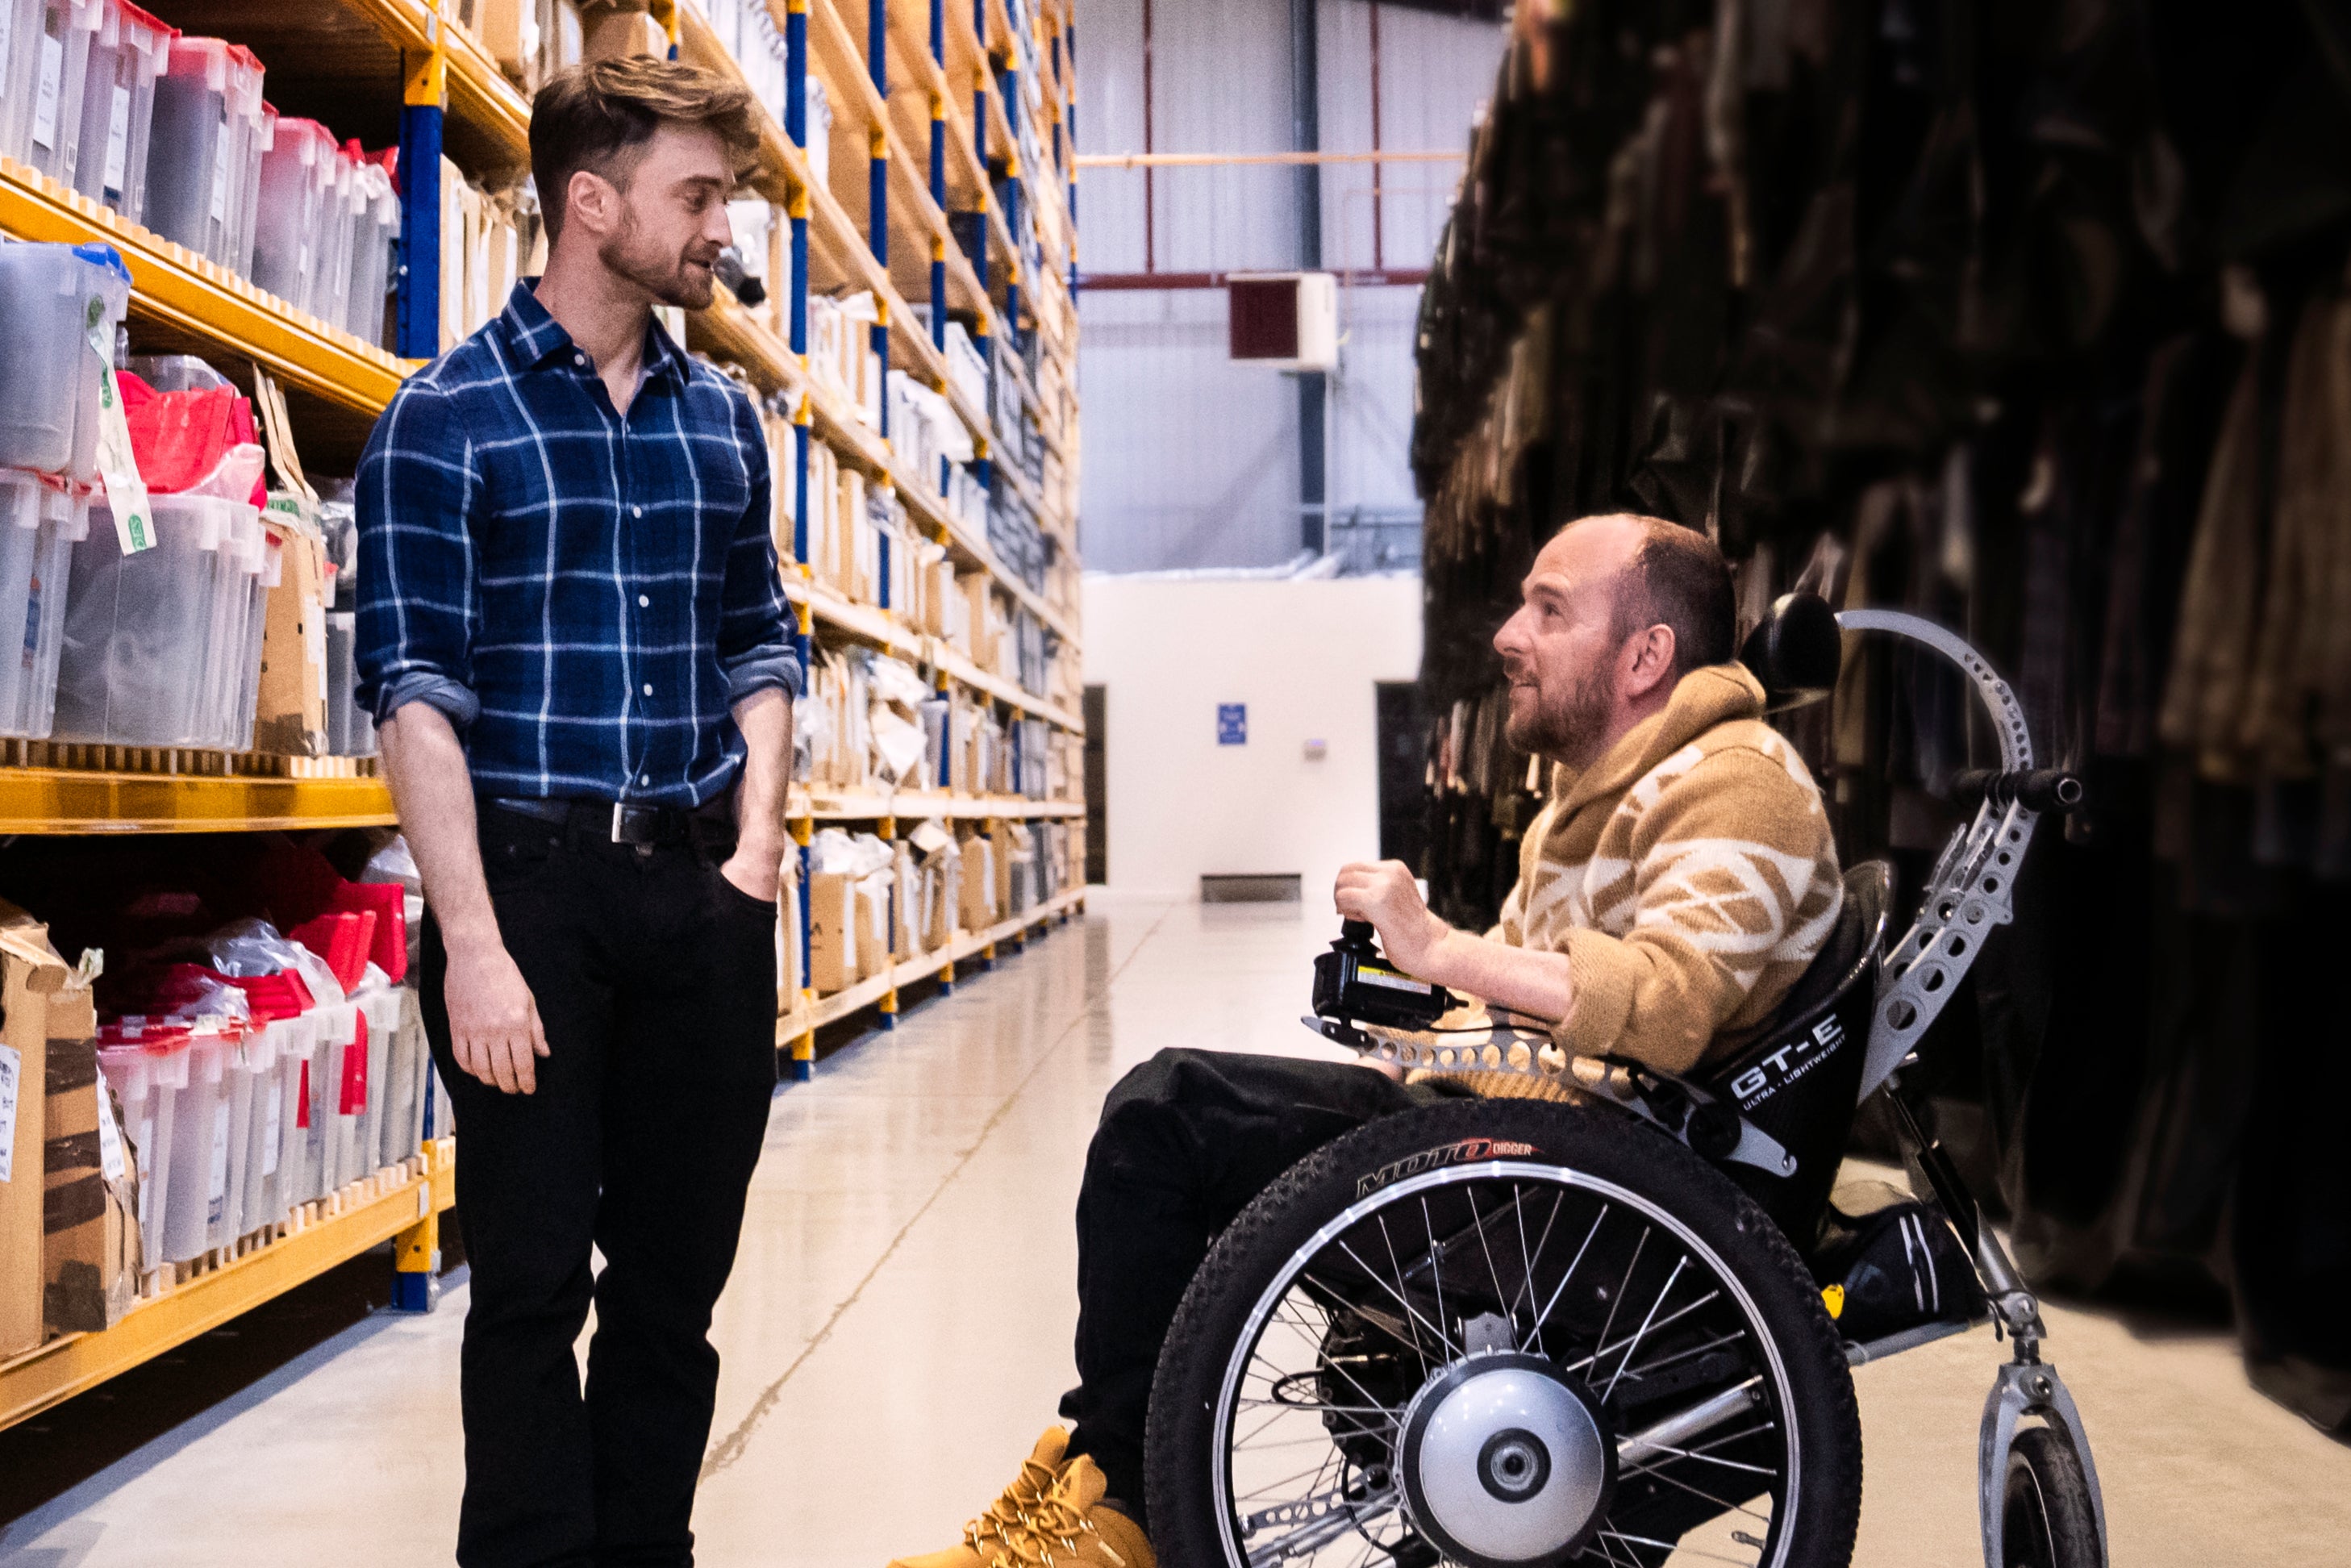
<point x="644" y="778"/>
<point x="579" y="358"/>
<point x="649" y="688"/>
<point x="636" y="511"/>
<point x="642" y="600"/>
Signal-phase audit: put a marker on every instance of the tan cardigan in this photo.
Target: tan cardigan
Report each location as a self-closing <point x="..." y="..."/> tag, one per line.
<point x="1689" y="875"/>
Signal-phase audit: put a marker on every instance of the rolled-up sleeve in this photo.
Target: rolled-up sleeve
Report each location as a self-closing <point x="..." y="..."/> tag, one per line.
<point x="754" y="640"/>
<point x="415" y="497"/>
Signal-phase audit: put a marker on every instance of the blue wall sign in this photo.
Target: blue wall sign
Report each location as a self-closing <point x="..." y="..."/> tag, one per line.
<point x="1232" y="724"/>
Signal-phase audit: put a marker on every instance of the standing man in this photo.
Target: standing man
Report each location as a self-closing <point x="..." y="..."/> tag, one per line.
<point x="572" y="633"/>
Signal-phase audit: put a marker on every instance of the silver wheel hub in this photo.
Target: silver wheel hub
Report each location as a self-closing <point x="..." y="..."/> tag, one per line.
<point x="1505" y="1461"/>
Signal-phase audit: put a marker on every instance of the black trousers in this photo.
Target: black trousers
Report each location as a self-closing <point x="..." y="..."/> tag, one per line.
<point x="655" y="980"/>
<point x="1186" y="1141"/>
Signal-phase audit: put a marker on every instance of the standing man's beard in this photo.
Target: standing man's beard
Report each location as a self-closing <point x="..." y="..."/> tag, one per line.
<point x="667" y="277"/>
<point x="1567" y="730"/>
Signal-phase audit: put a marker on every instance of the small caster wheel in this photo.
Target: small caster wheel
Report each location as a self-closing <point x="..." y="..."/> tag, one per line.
<point x="2048" y="1519"/>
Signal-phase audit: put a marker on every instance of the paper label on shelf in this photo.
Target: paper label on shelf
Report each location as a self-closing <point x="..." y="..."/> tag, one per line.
<point x="273" y="1130"/>
<point x="12" y="1066"/>
<point x="314" y="637"/>
<point x="217" y="1191"/>
<point x="45" y="96"/>
<point x="118" y="142"/>
<point x="220" y="173"/>
<point x="109" y="1137"/>
<point x="117" y="465"/>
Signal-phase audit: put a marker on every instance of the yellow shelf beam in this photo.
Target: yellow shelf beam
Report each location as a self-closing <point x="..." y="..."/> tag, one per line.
<point x="67" y="801"/>
<point x="865" y="806"/>
<point x="793" y="1021"/>
<point x="32" y="1382"/>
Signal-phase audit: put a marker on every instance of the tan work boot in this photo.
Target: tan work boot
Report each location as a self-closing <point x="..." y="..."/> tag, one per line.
<point x="1007" y="1512"/>
<point x="1050" y="1517"/>
<point x="1069" y="1528"/>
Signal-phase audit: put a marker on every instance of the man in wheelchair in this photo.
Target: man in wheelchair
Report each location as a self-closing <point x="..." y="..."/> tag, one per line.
<point x="1678" y="883"/>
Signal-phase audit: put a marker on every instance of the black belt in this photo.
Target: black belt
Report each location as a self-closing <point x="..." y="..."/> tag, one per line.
<point x="645" y="827"/>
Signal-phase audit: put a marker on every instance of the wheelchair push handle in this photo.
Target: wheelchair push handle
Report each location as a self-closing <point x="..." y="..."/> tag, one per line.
<point x="2034" y="789"/>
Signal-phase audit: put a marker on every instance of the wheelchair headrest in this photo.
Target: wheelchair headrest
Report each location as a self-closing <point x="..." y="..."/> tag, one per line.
<point x="1794" y="650"/>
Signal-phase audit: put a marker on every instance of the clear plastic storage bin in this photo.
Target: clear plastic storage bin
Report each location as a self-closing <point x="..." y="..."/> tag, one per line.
<point x="298" y="177"/>
<point x="20" y="58"/>
<point x="376" y="228"/>
<point x="330" y="295"/>
<point x="49" y="375"/>
<point x="53" y="136"/>
<point x="203" y="149"/>
<point x="140" y="628"/>
<point x="38" y="520"/>
<point x="199" y="1151"/>
<point x="118" y="108"/>
<point x="147" y="1071"/>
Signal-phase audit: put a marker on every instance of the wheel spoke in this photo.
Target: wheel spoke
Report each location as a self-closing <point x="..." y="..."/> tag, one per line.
<point x="1616" y="1302"/>
<point x="1574" y="1263"/>
<point x="1672" y="1546"/>
<point x="1409" y="1323"/>
<point x="1626" y="1359"/>
<point x="1501" y="1297"/>
<point x="1321" y="1491"/>
<point x="1436" y="1263"/>
<point x="1412" y="1312"/>
<point x="1527" y="1258"/>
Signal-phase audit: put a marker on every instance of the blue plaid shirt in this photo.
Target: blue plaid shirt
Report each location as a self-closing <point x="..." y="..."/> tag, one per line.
<point x="585" y="596"/>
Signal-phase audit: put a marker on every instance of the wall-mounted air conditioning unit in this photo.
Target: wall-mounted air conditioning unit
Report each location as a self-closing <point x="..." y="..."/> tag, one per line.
<point x="1286" y="320"/>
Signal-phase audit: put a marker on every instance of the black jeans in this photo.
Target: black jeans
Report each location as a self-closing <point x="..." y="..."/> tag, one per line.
<point x="1186" y="1141"/>
<point x="655" y="980"/>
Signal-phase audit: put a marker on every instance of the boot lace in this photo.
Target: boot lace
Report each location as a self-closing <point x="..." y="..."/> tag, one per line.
<point x="1052" y="1531"/>
<point x="1008" y="1514"/>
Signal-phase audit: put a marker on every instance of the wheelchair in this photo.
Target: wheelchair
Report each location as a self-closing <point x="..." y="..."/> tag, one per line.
<point x="1619" y="1330"/>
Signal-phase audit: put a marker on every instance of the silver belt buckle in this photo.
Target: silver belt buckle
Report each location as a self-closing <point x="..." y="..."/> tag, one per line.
<point x="619" y="811"/>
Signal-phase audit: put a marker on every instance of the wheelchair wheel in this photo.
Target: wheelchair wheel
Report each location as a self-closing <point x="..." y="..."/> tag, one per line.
<point x="1502" y="1334"/>
<point x="2047" y="1518"/>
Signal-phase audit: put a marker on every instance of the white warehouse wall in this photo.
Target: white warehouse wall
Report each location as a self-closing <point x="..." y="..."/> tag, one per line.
<point x="1191" y="461"/>
<point x="1304" y="656"/>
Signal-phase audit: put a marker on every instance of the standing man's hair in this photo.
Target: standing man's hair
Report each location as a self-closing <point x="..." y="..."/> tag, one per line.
<point x="1679" y="577"/>
<point x="600" y="117"/>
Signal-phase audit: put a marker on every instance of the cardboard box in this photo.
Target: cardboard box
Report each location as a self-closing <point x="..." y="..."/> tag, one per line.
<point x="832" y="936"/>
<point x="38" y="1000"/>
<point x="90" y="1255"/>
<point x="874" y="955"/>
<point x="621" y="29"/>
<point x="978" y="879"/>
<point x="983" y="623"/>
<point x="906" y="927"/>
<point x="291" y="712"/>
<point x="28" y="975"/>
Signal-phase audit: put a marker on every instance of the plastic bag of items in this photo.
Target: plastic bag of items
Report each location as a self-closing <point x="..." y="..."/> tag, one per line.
<point x="896" y="697"/>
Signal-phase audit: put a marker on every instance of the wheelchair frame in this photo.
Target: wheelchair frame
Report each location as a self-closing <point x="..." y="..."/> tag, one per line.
<point x="1970" y="892"/>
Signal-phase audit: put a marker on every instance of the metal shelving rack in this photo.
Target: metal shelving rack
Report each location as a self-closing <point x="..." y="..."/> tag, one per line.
<point x="897" y="87"/>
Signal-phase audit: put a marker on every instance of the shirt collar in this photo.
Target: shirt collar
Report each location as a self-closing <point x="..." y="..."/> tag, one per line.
<point x="536" y="337"/>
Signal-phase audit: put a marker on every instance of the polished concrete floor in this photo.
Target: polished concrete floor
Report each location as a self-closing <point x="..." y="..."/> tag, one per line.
<point x="898" y="1326"/>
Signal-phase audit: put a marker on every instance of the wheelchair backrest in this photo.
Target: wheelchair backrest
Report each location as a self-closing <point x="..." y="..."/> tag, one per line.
<point x="1800" y="1077"/>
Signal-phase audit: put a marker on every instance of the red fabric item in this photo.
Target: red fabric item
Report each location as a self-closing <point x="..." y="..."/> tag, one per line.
<point x="388" y="902"/>
<point x="273" y="996"/>
<point x="180" y="437"/>
<point x="355" y="1083"/>
<point x="344" y="940"/>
